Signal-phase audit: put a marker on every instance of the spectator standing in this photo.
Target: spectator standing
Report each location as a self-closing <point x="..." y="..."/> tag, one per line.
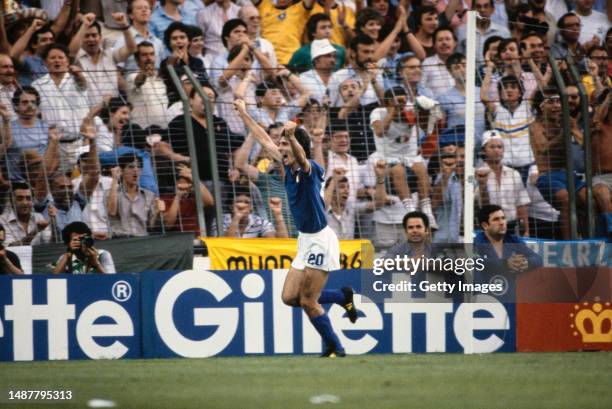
<point x="63" y="100"/>
<point x="147" y="90"/>
<point x="100" y="65"/>
<point x="282" y="23"/>
<point x="168" y="12"/>
<point x="435" y="75"/>
<point x="501" y="185"/>
<point x="139" y="12"/>
<point x="133" y="211"/>
<point x="211" y="20"/>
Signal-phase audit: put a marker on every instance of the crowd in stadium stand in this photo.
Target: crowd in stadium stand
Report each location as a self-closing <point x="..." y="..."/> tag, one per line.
<point x="94" y="127"/>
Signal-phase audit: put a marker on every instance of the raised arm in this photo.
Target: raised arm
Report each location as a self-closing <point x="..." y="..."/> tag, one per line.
<point x="18" y="49"/>
<point x="385" y="45"/>
<point x="486" y="85"/>
<point x="129" y="48"/>
<point x="296" y="148"/>
<point x="51" y="158"/>
<point x="60" y="23"/>
<point x="77" y="40"/>
<point x="241" y="158"/>
<point x="233" y="67"/>
<point x="257" y="131"/>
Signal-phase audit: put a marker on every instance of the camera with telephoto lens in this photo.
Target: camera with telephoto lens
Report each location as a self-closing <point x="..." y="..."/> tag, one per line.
<point x="87" y="241"/>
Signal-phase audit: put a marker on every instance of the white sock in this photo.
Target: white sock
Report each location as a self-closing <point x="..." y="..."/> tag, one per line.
<point x="425" y="205"/>
<point x="409" y="204"/>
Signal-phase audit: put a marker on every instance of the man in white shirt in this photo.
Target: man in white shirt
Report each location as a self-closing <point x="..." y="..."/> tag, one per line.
<point x="147" y="90"/>
<point x="594" y="23"/>
<point x="211" y="20"/>
<point x="22" y="225"/>
<point x="316" y="80"/>
<point x="363" y="69"/>
<point x="485" y="27"/>
<point x="63" y="100"/>
<point x="8" y="83"/>
<point x="501" y="185"/>
<point x="435" y="75"/>
<point x="100" y="65"/>
<point x="139" y="12"/>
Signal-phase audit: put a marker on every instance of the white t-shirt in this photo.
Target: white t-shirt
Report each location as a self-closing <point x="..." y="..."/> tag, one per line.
<point x="596" y="24"/>
<point x="398" y="143"/>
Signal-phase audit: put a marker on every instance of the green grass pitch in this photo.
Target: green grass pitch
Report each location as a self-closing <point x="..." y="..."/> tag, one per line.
<point x="454" y="381"/>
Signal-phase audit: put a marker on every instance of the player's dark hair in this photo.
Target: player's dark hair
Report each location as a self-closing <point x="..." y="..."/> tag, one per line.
<point x="417" y="214"/>
<point x="229" y="26"/>
<point x="313" y="22"/>
<point x="75" y="227"/>
<point x="485" y="211"/>
<point x="304" y="140"/>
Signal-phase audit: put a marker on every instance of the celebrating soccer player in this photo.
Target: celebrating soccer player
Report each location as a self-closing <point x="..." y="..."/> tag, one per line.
<point x="318" y="248"/>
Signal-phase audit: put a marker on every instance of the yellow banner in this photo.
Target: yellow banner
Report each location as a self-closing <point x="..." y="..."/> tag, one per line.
<point x="265" y="254"/>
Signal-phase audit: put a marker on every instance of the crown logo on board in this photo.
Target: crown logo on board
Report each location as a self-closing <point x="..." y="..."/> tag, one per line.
<point x="593" y="324"/>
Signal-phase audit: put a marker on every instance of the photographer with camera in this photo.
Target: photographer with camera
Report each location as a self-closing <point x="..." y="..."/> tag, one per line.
<point x="81" y="256"/>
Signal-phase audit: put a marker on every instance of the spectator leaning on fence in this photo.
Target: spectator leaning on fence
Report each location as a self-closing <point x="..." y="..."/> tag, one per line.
<point x="133" y="211"/>
<point x="81" y="257"/>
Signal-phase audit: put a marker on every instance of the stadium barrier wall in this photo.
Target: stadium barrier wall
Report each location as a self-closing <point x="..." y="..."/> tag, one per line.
<point x="199" y="313"/>
<point x="202" y="313"/>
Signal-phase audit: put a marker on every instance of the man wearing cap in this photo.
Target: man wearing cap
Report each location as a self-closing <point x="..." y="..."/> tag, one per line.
<point x="316" y="80"/>
<point x="319" y="27"/>
<point x="501" y="185"/>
